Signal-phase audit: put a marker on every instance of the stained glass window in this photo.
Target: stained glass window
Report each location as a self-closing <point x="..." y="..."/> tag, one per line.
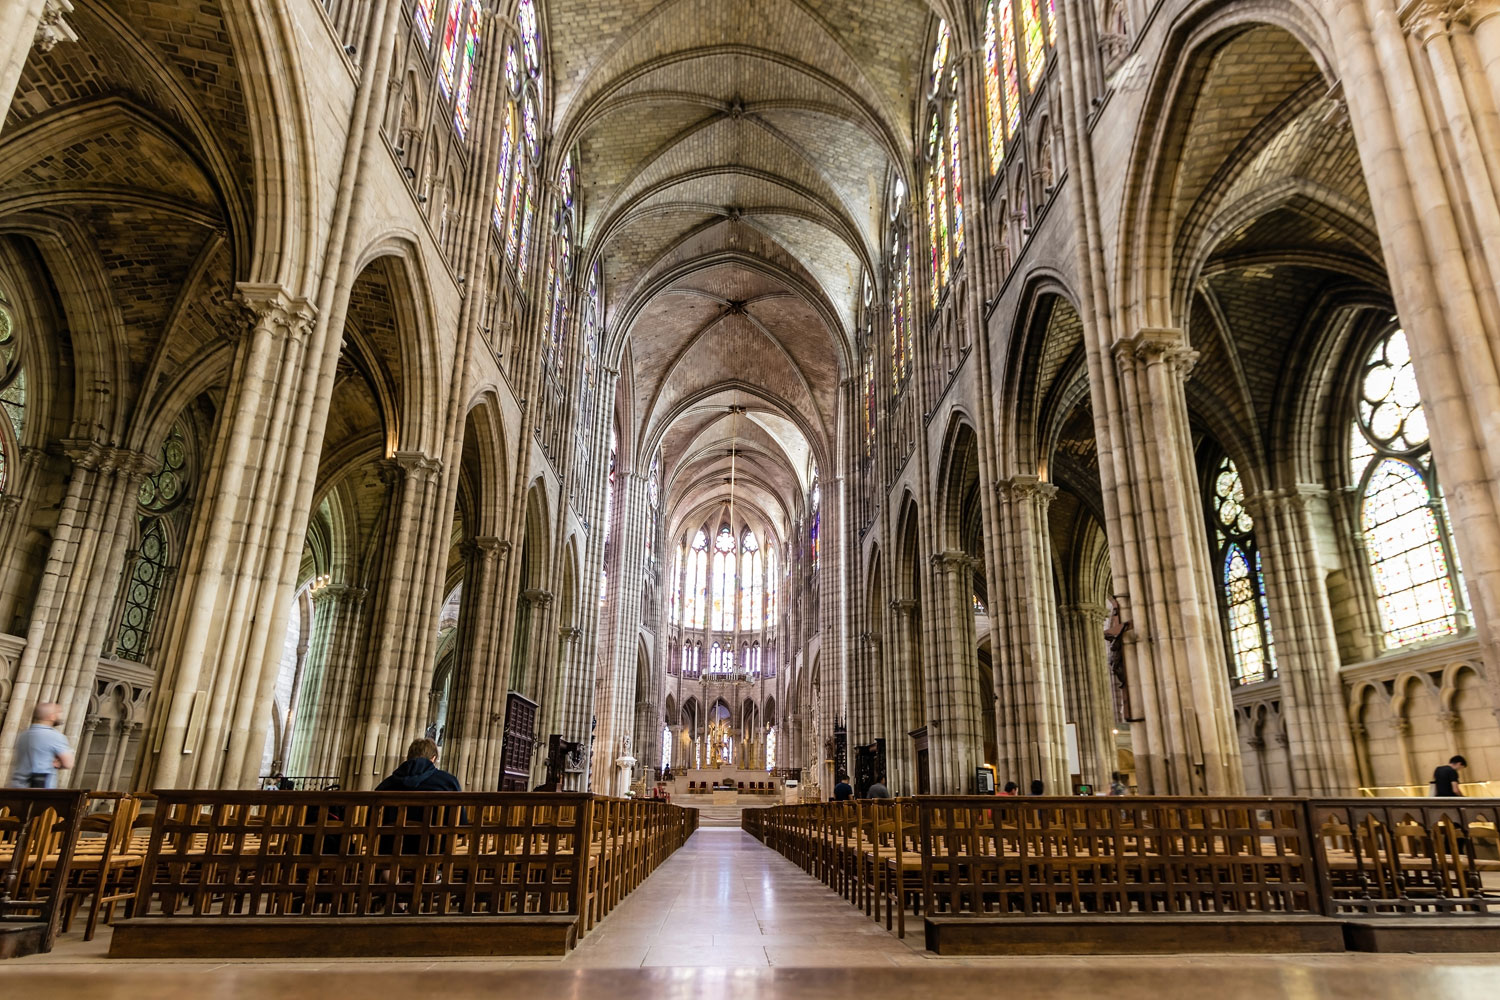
<point x="1051" y="22"/>
<point x="994" y="110"/>
<point x="723" y="580"/>
<point x="771" y="749"/>
<point x="939" y="58"/>
<point x="525" y="248"/>
<point x="1248" y="620"/>
<point x="421" y="19"/>
<point x="932" y="236"/>
<point x="513" y="219"/>
<point x="502" y="174"/>
<point x="653" y="500"/>
<point x="141" y="593"/>
<point x="751" y="582"/>
<point x="695" y="591"/>
<point x="1418" y="588"/>
<point x="772" y="586"/>
<point x="162" y="490"/>
<point x="466" y="73"/>
<point x="448" y="52"/>
<point x="526" y="19"/>
<point x="676" y="588"/>
<point x="955" y="165"/>
<point x="1007" y="20"/>
<point x="530" y="126"/>
<point x="1036" y="51"/>
<point x="816" y="503"/>
<point x="609" y="509"/>
<point x="869" y="399"/>
<point x="512" y="71"/>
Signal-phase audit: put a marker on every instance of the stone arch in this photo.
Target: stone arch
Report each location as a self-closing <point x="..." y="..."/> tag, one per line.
<point x="1200" y="43"/>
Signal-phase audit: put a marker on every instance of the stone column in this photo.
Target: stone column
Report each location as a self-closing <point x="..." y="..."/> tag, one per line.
<point x="1086" y="686"/>
<point x="904" y="707"/>
<point x="324" y="678"/>
<point x="76" y="594"/>
<point x="1307" y="654"/>
<point x="1029" y="687"/>
<point x="377" y="737"/>
<point x="24" y="25"/>
<point x="1424" y="122"/>
<point x="955" y="730"/>
<point x="476" y="711"/>
<point x="1184" y="737"/>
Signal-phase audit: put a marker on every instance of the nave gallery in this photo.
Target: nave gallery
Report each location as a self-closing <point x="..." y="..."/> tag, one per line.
<point x="642" y="395"/>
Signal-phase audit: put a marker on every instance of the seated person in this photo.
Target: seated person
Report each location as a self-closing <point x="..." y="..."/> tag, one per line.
<point x="419" y="772"/>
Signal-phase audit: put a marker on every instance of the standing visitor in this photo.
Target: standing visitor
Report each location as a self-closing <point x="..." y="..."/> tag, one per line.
<point x="843" y="791"/>
<point x="1117" y="784"/>
<point x="41" y="751"/>
<point x="1445" y="778"/>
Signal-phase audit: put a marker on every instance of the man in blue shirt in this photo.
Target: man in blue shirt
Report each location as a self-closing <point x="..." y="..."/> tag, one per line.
<point x="41" y="750"/>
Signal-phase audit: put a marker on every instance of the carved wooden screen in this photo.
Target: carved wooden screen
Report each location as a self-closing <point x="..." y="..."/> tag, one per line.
<point x="520" y="737"/>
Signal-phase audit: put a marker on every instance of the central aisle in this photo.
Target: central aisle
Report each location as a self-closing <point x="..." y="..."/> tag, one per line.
<point x="724" y="899"/>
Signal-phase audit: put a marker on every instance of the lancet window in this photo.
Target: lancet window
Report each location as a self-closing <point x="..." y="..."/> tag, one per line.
<point x="1402" y="517"/>
<point x="944" y="168"/>
<point x="159" y="507"/>
<point x="1018" y="38"/>
<point x="1242" y="583"/>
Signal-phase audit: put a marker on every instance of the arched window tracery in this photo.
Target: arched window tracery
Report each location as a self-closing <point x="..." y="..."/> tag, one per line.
<point x="1403" y="522"/>
<point x="12" y="394"/>
<point x="695" y="588"/>
<point x="944" y="171"/>
<point x="1016" y="41"/>
<point x="1252" y="653"/>
<point x="751" y="581"/>
<point x="723" y="580"/>
<point x="161" y="496"/>
<point x="899" y="289"/>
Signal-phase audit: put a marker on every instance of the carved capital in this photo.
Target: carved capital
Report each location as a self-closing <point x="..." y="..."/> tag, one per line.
<point x="569" y="633"/>
<point x="1157" y="346"/>
<point x="1026" y="489"/>
<point x="953" y="561"/>
<point x="903" y="606"/>
<point x="52" y="28"/>
<point x="415" y="466"/>
<point x="270" y="308"/>
<point x="1425" y="20"/>
<point x="1402" y="725"/>
<point x="1450" y="719"/>
<point x="537" y="598"/>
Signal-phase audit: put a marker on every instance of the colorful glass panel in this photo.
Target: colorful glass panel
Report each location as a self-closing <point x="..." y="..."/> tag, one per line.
<point x="1007" y="21"/>
<point x="466" y="73"/>
<point x="1036" y="53"/>
<point x="944" y="240"/>
<point x="448" y="52"/>
<point x="421" y="19"/>
<point x="694" y="590"/>
<point x="1418" y="592"/>
<point x="512" y="70"/>
<point x="1252" y="651"/>
<point x="525" y="249"/>
<point x="723" y="580"/>
<point x="994" y="109"/>
<point x="529" y="127"/>
<point x="513" y="219"/>
<point x="502" y="173"/>
<point x="932" y="236"/>
<point x="955" y="165"/>
<point x="1051" y="22"/>
<point x="939" y="57"/>
<point x="526" y="19"/>
<point x="1413" y="588"/>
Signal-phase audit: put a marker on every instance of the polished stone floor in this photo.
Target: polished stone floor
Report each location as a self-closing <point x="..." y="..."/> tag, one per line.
<point x="725" y="916"/>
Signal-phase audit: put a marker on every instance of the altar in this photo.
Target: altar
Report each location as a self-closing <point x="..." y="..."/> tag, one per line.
<point x="727" y="781"/>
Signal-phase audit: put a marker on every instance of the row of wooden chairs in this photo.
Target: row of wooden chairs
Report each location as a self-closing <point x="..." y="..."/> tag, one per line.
<point x="743" y="787"/>
<point x="982" y="856"/>
<point x="65" y="861"/>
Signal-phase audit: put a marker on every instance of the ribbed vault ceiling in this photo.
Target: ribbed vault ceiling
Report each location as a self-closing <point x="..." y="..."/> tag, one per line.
<point x="733" y="160"/>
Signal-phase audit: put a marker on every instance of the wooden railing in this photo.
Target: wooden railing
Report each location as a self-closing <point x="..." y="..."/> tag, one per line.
<point x="540" y="867"/>
<point x="1130" y="856"/>
<point x="38" y="835"/>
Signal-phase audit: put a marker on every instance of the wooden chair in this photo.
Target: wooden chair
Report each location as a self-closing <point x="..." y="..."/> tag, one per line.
<point x="105" y="866"/>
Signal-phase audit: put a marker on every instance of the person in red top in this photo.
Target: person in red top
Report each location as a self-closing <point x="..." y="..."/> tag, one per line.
<point x="1011" y="788"/>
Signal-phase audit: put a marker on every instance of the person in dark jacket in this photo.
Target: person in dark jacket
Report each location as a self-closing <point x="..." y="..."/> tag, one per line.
<point x="419" y="772"/>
